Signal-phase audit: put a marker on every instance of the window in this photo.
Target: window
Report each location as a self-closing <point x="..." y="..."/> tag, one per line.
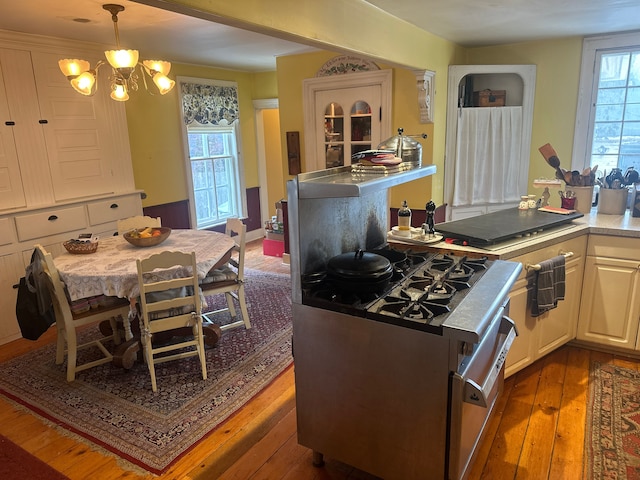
<point x="214" y="174"/>
<point x="608" y="121"/>
<point x="212" y="159"/>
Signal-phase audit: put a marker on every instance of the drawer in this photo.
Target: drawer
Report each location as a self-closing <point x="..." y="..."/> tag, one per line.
<point x="6" y="231"/>
<point x="114" y="209"/>
<point x="576" y="245"/>
<point x="627" y="248"/>
<point x="50" y="222"/>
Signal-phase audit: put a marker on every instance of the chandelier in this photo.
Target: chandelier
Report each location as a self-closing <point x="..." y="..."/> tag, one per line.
<point x="124" y="76"/>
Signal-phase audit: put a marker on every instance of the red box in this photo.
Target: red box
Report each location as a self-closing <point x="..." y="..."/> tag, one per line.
<point x="273" y="248"/>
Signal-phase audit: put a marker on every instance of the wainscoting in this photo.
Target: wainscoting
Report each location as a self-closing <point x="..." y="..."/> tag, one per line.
<point x="176" y="214"/>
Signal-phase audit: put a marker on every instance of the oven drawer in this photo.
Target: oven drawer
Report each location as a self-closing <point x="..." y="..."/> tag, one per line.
<point x="474" y="392"/>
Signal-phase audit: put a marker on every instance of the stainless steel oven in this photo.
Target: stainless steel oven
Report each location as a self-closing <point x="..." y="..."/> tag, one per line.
<point x="399" y="384"/>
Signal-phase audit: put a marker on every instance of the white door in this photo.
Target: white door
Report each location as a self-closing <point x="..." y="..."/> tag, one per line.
<point x="345" y="114"/>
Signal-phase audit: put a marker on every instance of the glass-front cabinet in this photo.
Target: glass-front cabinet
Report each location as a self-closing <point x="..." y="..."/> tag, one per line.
<point x="344" y="115"/>
<point x="345" y="135"/>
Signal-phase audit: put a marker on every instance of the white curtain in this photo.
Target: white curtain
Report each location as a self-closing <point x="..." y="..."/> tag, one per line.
<point x="488" y="153"/>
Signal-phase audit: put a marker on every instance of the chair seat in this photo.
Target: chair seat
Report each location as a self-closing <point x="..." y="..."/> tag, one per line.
<point x="218" y="275"/>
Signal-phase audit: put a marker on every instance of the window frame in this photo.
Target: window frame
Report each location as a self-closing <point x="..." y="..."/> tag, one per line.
<point x="239" y="161"/>
<point x="585" y="111"/>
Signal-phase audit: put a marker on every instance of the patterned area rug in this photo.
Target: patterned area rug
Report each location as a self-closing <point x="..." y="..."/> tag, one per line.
<point x="116" y="409"/>
<point x="613" y="423"/>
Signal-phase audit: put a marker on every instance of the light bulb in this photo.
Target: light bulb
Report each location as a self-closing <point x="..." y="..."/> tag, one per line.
<point x="164" y="83"/>
<point x="72" y="67"/>
<point x="157" y="66"/>
<point x="119" y="93"/>
<point x="84" y="82"/>
<point x="122" y="58"/>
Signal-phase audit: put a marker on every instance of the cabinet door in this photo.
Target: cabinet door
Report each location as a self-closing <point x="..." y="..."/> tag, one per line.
<point x="12" y="267"/>
<point x="24" y="112"/>
<point x="558" y="326"/>
<point x="11" y="192"/>
<point x="610" y="302"/>
<point x="80" y="149"/>
<point x="362" y="121"/>
<point x="522" y="352"/>
<point x="348" y="125"/>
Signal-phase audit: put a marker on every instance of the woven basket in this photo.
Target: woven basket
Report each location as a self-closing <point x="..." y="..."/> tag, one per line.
<point x="80" y="248"/>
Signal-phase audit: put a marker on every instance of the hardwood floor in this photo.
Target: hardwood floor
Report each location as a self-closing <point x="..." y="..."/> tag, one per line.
<point x="538" y="432"/>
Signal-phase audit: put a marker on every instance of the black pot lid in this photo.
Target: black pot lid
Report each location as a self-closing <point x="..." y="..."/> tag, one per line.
<point x="359" y="264"/>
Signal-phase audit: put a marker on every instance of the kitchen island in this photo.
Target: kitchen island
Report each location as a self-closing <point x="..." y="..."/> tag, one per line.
<point x="601" y="309"/>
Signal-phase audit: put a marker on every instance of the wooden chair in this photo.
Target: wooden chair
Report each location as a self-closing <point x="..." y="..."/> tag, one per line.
<point x="229" y="279"/>
<point x="139" y="221"/>
<point x="168" y="305"/>
<point x="68" y="323"/>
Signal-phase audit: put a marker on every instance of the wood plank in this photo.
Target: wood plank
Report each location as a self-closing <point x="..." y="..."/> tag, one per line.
<point x="540" y="438"/>
<point x="491" y="431"/>
<point x="567" y="459"/>
<point x="506" y="449"/>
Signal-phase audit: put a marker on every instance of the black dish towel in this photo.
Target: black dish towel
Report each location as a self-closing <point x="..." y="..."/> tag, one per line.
<point x="549" y="286"/>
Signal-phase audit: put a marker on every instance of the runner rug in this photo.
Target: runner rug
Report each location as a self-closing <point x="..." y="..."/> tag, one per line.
<point x="116" y="409"/>
<point x="613" y="423"/>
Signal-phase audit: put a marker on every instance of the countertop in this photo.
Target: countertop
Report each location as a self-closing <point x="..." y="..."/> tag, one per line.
<point x="593" y="223"/>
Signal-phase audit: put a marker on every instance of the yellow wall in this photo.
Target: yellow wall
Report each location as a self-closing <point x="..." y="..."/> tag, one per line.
<point x="155" y="133"/>
<point x="156" y="149"/>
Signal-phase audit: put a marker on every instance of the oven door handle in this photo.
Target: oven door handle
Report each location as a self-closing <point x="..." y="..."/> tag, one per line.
<point x="479" y="394"/>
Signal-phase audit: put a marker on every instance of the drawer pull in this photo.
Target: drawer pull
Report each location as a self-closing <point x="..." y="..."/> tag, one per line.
<point x="114" y="205"/>
<point x="10" y="123"/>
<point x="52" y="218"/>
<point x="536" y="266"/>
<point x="43" y="122"/>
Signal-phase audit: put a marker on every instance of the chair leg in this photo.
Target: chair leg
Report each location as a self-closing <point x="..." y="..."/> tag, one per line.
<point x="113" y="321"/>
<point x="232" y="309"/>
<point x="243" y="307"/>
<point x="61" y="342"/>
<point x="72" y="355"/>
<point x="198" y="333"/>
<point x="147" y="348"/>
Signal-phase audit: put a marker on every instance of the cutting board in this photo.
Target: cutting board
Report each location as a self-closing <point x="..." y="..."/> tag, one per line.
<point x="497" y="227"/>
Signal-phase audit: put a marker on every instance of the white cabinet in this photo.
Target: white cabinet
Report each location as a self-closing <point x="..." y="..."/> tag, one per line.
<point x="55" y="144"/>
<point x="50" y="227"/>
<point x="537" y="336"/>
<point x="610" y="307"/>
<point x="345" y="114"/>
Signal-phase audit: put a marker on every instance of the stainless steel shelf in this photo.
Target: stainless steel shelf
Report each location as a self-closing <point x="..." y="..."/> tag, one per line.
<point x="339" y="182"/>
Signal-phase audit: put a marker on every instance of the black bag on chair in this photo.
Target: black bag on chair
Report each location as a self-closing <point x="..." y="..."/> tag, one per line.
<point x="34" y="309"/>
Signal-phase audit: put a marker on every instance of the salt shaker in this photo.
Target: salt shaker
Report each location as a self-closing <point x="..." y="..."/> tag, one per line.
<point x="524" y="202"/>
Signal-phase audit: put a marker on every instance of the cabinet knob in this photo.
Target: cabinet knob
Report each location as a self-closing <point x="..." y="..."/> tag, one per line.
<point x="114" y="205"/>
<point x="52" y="218"/>
<point x="9" y="123"/>
<point x="42" y="122"/>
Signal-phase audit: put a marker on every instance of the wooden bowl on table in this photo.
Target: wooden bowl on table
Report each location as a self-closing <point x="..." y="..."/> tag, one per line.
<point x="147" y="237"/>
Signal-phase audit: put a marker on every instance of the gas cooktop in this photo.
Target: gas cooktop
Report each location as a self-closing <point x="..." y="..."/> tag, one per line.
<point x="426" y="288"/>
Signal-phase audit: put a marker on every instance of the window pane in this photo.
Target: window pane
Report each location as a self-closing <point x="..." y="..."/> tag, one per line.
<point x="616" y="128"/>
<point x="216" y="186"/>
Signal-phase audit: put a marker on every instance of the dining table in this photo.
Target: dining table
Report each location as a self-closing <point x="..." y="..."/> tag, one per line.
<point x="112" y="271"/>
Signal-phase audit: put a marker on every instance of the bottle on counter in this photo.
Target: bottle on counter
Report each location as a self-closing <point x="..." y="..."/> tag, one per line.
<point x="404" y="217"/>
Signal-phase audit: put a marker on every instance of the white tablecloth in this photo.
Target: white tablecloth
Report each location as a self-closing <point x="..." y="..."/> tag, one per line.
<point x="112" y="271"/>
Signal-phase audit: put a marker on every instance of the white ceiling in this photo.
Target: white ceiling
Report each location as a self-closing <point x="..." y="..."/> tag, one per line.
<point x="179" y="38"/>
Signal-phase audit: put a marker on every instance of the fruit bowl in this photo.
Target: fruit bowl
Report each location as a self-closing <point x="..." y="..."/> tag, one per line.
<point x="147" y="237"/>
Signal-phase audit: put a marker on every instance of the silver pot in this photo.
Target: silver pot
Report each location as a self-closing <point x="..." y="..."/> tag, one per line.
<point x="405" y="147"/>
